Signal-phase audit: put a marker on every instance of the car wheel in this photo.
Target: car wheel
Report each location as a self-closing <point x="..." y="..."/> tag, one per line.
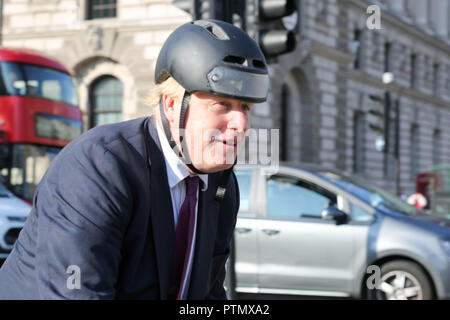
<point x="402" y="280"/>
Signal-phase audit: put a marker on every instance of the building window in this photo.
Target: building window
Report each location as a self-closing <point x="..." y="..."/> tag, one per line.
<point x="359" y="142"/>
<point x="437" y="146"/>
<point x="436" y="79"/>
<point x="98" y="9"/>
<point x="414" y="151"/>
<point x="106" y="101"/>
<point x="413" y="71"/>
<point x="409" y="9"/>
<point x="356" y="47"/>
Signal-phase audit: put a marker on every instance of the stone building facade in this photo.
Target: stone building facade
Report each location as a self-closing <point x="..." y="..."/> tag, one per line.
<point x="320" y="92"/>
<point x="323" y="98"/>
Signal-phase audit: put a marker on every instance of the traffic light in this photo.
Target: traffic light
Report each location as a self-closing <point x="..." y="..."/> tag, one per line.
<point x="383" y="126"/>
<point x="226" y="10"/>
<point x="271" y="23"/>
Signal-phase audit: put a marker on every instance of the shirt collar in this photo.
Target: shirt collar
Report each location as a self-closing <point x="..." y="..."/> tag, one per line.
<point x="176" y="169"/>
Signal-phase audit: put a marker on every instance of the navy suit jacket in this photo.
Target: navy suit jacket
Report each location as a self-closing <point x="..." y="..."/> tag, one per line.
<point x="103" y="212"/>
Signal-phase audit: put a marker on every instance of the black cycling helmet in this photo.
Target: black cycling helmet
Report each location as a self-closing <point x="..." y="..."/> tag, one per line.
<point x="215" y="57"/>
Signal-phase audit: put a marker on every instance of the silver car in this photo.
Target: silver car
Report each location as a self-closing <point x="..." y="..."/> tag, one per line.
<point x="305" y="230"/>
<point x="13" y="213"/>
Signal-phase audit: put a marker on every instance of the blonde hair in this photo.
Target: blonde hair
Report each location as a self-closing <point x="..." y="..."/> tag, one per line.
<point x="168" y="87"/>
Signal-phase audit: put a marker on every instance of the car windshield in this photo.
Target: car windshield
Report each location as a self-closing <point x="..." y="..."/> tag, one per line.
<point x="370" y="193"/>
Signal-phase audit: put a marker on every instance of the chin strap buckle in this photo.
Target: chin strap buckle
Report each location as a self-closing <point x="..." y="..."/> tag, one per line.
<point x="220" y="193"/>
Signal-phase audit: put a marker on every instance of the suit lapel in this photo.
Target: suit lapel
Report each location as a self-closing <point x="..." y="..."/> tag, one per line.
<point x="163" y="225"/>
<point x="162" y="215"/>
<point x="208" y="210"/>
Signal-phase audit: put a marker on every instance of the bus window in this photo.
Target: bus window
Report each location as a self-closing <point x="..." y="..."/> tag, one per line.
<point x="36" y="167"/>
<point x="28" y="166"/>
<point x="50" y="84"/>
<point x="51" y="89"/>
<point x="19" y="79"/>
<point x="13" y="79"/>
<point x="16" y="176"/>
<point x="4" y="155"/>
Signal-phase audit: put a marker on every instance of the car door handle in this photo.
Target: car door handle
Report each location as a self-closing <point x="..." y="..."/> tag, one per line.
<point x="243" y="230"/>
<point x="270" y="232"/>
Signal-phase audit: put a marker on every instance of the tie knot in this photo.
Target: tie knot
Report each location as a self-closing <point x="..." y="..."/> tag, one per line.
<point x="191" y="186"/>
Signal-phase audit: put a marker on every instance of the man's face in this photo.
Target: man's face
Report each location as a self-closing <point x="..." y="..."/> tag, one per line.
<point x="215" y="129"/>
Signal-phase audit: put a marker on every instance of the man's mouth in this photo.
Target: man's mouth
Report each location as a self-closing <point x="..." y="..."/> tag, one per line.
<point x="229" y="142"/>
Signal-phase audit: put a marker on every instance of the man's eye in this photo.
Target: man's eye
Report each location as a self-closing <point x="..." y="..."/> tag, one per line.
<point x="221" y="106"/>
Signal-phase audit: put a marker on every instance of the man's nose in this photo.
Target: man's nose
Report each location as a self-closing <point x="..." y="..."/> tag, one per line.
<point x="238" y="120"/>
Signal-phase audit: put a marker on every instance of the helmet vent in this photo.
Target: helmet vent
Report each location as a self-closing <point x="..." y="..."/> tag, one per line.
<point x="236" y="59"/>
<point x="259" y="64"/>
<point x="213" y="29"/>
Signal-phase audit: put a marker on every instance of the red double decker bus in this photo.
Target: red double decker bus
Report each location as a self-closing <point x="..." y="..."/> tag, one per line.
<point x="39" y="115"/>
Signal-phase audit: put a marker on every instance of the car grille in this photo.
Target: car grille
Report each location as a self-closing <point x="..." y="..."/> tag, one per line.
<point x="12" y="235"/>
<point x="17" y="219"/>
<point x="4" y="250"/>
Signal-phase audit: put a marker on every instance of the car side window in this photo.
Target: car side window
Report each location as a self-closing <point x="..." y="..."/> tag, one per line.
<point x="359" y="214"/>
<point x="290" y="197"/>
<point x="244" y="178"/>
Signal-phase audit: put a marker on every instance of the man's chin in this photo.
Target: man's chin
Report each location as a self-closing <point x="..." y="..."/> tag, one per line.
<point x="213" y="167"/>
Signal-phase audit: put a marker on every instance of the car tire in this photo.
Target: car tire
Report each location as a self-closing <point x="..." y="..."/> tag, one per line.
<point x="402" y="280"/>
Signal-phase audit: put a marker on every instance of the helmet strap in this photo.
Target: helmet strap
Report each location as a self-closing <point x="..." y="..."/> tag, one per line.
<point x="221" y="188"/>
<point x="183" y="156"/>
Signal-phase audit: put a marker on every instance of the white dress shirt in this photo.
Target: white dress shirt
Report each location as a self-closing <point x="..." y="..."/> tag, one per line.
<point x="176" y="173"/>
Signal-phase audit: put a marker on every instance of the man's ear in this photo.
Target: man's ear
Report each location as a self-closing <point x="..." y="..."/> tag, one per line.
<point x="169" y="108"/>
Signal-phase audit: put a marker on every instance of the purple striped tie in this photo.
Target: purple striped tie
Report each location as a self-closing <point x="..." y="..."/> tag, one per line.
<point x="183" y="238"/>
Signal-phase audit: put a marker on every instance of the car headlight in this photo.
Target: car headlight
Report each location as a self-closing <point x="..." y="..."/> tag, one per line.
<point x="3" y="220"/>
<point x="446" y="245"/>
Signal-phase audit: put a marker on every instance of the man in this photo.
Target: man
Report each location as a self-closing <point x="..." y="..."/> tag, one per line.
<point x="116" y="215"/>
